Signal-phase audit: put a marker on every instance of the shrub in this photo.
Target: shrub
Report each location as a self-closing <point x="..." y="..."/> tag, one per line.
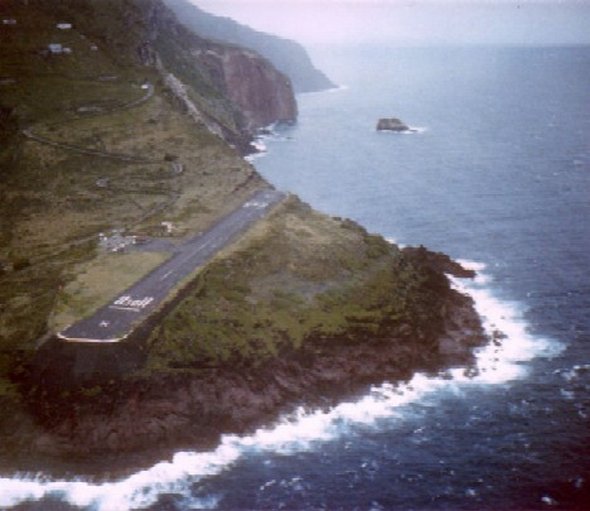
<point x="20" y="263"/>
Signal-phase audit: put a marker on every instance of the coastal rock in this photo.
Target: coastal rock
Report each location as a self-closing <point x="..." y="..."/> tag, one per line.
<point x="262" y="94"/>
<point x="194" y="408"/>
<point x="392" y="124"/>
<point x="439" y="262"/>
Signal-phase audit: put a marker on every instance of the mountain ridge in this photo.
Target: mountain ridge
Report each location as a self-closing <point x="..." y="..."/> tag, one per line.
<point x="287" y="56"/>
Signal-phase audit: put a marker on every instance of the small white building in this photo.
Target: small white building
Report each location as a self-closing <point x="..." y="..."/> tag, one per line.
<point x="64" y="26"/>
<point x="169" y="226"/>
<point x="55" y="48"/>
<point x="9" y="21"/>
<point x="58" y="49"/>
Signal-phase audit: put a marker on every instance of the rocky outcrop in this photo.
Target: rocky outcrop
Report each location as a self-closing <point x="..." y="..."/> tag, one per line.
<point x="233" y="89"/>
<point x="392" y="124"/>
<point x="168" y="410"/>
<point x="171" y="411"/>
<point x="261" y="93"/>
<point x="439" y="262"/>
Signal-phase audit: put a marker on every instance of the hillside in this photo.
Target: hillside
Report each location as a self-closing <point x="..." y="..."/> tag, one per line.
<point x="124" y="78"/>
<point x="131" y="127"/>
<point x="286" y="55"/>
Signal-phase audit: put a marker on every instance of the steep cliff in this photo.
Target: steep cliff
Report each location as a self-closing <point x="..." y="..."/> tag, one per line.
<point x="286" y="55"/>
<point x="258" y="93"/>
<point x="263" y="95"/>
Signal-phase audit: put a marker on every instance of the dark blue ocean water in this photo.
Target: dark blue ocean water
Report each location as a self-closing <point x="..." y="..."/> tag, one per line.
<point x="497" y="174"/>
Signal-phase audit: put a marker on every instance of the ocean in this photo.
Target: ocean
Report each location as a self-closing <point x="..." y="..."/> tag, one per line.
<point x="497" y="174"/>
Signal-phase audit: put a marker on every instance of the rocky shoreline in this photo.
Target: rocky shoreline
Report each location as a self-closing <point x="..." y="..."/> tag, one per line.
<point x="140" y="420"/>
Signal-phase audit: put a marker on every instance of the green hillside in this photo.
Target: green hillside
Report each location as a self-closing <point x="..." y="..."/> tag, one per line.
<point x="55" y="201"/>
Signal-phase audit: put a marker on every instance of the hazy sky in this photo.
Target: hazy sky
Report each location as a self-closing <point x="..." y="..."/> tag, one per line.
<point x="414" y="21"/>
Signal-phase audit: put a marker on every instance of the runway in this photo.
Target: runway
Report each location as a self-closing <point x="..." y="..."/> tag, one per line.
<point x="116" y="320"/>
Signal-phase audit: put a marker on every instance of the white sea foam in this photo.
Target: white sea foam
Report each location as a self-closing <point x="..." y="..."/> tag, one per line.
<point x="260" y="147"/>
<point x="270" y="133"/>
<point x="332" y="90"/>
<point x="498" y="363"/>
<point x="392" y="241"/>
<point x="416" y="130"/>
<point x="413" y="130"/>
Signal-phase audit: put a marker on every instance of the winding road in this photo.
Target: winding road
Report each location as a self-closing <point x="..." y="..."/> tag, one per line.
<point x="129" y="158"/>
<point x="116" y="320"/>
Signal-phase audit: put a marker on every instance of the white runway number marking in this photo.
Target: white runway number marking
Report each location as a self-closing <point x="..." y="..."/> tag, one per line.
<point x="126" y="302"/>
<point x="255" y="204"/>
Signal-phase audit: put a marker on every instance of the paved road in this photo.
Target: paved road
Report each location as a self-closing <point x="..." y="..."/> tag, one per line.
<point x="116" y="320"/>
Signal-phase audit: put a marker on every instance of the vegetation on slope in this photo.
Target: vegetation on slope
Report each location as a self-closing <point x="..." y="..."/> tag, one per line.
<point x="53" y="201"/>
<point x="300" y="277"/>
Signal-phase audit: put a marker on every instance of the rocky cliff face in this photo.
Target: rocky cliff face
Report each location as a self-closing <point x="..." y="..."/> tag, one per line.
<point x="246" y="90"/>
<point x="262" y="94"/>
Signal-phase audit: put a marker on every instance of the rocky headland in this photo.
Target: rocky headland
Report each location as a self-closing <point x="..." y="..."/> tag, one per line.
<point x="239" y="348"/>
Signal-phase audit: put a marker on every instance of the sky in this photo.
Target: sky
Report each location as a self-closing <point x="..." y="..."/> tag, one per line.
<point x="414" y="22"/>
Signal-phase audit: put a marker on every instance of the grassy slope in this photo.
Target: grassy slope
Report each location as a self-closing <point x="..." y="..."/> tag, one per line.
<point x="300" y="276"/>
<point x="51" y="208"/>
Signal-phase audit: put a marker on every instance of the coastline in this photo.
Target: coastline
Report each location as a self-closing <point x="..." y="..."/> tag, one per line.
<point x="138" y="421"/>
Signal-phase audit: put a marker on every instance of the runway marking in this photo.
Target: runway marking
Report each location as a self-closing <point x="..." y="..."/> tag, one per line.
<point x="125" y="302"/>
<point x="255" y="204"/>
<point x="166" y="275"/>
<point x="117" y="307"/>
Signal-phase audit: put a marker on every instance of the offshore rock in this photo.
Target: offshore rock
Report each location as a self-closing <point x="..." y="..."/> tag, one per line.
<point x="392" y="124"/>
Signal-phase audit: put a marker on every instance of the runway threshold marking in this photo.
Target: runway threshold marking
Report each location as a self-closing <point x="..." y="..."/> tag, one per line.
<point x="119" y="308"/>
<point x="126" y="302"/>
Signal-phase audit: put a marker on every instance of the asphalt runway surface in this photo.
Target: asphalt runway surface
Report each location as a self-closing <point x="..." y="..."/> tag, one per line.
<point x="116" y="320"/>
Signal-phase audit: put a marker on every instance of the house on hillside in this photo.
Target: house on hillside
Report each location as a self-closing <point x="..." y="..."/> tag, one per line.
<point x="64" y="26"/>
<point x="58" y="49"/>
<point x="55" y="48"/>
<point x="9" y="21"/>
